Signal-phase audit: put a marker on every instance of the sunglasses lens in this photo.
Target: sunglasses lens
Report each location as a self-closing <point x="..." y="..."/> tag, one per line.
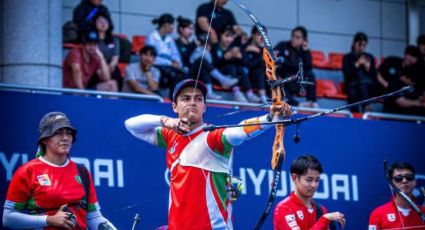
<point x="409" y="177"/>
<point x="398" y="179"/>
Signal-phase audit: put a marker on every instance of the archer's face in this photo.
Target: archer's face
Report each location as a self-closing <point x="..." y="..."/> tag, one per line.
<point x="60" y="143"/>
<point x="405" y="180"/>
<point x="307" y="184"/>
<point x="190" y="104"/>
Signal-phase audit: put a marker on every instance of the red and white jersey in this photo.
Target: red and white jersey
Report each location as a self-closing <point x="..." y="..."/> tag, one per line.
<point x="292" y="214"/>
<point x="199" y="165"/>
<point x="387" y="216"/>
<point x="39" y="184"/>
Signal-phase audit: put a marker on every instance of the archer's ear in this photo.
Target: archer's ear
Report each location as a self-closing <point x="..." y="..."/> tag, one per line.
<point x="294" y="176"/>
<point x="174" y="106"/>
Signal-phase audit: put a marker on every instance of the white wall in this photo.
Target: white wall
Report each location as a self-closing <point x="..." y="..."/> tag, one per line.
<point x="331" y="23"/>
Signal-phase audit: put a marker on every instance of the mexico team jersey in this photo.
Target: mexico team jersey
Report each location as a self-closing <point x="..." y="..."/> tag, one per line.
<point x="199" y="164"/>
<point x="388" y="217"/>
<point x="39" y="184"/>
<point x="292" y="214"/>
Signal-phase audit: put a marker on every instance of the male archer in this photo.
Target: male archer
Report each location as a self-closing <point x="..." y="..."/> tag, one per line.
<point x="397" y="213"/>
<point x="199" y="162"/>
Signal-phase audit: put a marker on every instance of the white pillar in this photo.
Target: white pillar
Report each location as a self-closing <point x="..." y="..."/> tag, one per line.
<point x="413" y="21"/>
<point x="31" y="42"/>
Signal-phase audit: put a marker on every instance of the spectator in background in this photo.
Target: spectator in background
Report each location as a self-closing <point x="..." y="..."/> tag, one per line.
<point x="359" y="72"/>
<point x="188" y="49"/>
<point x="230" y="60"/>
<point x="81" y="63"/>
<point x="110" y="48"/>
<point x="410" y="75"/>
<point x="186" y="43"/>
<point x="299" y="210"/>
<point x="397" y="214"/>
<point x="84" y="15"/>
<point x="222" y="17"/>
<point x="392" y="68"/>
<point x="255" y="63"/>
<point x="296" y="51"/>
<point x="168" y="59"/>
<point x="143" y="77"/>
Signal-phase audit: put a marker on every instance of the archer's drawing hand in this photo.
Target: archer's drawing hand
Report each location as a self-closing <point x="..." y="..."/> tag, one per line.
<point x="179" y="125"/>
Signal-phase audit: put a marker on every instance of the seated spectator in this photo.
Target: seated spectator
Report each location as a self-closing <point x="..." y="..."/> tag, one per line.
<point x="255" y="63"/>
<point x="294" y="52"/>
<point x="409" y="103"/>
<point x="185" y="43"/>
<point x="392" y="68"/>
<point x="143" y="77"/>
<point x="110" y="48"/>
<point x="222" y="18"/>
<point x="168" y="59"/>
<point x="229" y="60"/>
<point x="359" y="72"/>
<point x="84" y="15"/>
<point x="191" y="55"/>
<point x="81" y="63"/>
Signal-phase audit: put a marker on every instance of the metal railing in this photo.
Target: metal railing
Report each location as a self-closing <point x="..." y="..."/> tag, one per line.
<point x="237" y="105"/>
<point x="233" y="104"/>
<point x="390" y="116"/>
<point x="99" y="94"/>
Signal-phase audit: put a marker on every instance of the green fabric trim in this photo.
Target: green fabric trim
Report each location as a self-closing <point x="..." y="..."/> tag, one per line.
<point x="227" y="148"/>
<point x="31" y="203"/>
<point x="91" y="208"/>
<point x="39" y="153"/>
<point x="19" y="206"/>
<point x="160" y="138"/>
<point x="220" y="181"/>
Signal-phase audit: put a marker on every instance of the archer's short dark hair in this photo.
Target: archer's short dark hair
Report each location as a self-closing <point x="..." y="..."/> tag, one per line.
<point x="303" y="31"/>
<point x="400" y="165"/>
<point x="302" y="164"/>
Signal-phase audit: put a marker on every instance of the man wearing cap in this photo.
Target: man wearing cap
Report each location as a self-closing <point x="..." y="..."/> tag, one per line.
<point x="199" y="162"/>
<point x="81" y="64"/>
<point x="51" y="191"/>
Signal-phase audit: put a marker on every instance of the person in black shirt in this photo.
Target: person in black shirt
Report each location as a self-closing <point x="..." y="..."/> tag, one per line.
<point x="222" y="17"/>
<point x="191" y="55"/>
<point x="84" y="15"/>
<point x="410" y="75"/>
<point x="255" y="63"/>
<point x="294" y="52"/>
<point x="359" y="72"/>
<point x="230" y="60"/>
<point x="394" y="67"/>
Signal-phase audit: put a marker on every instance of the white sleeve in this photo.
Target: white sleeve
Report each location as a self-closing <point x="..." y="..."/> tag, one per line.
<point x="236" y="136"/>
<point x="144" y="127"/>
<point x="95" y="218"/>
<point x="18" y="220"/>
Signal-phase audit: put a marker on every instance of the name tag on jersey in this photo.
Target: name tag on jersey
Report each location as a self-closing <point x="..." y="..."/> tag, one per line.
<point x="44" y="180"/>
